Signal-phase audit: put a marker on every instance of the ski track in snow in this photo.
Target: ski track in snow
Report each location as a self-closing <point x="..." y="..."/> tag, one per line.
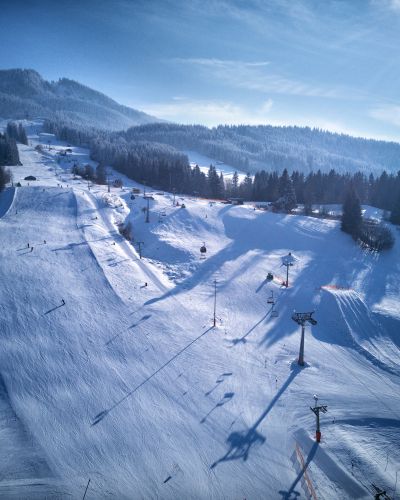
<point x="105" y="378"/>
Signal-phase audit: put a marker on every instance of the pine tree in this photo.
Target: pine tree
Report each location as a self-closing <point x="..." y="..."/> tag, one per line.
<point x="221" y="185"/>
<point x="213" y="182"/>
<point x="12" y="130"/>
<point x="89" y="172"/>
<point x="246" y="187"/>
<point x="2" y="178"/>
<point x="395" y="214"/>
<point x="5" y="177"/>
<point x="351" y="217"/>
<point x="308" y="200"/>
<point x="235" y="183"/>
<point x="22" y="138"/>
<point x="101" y="175"/>
<point x="272" y="188"/>
<point x="8" y="151"/>
<point x="287" y="193"/>
<point x="283" y="182"/>
<point x="289" y="197"/>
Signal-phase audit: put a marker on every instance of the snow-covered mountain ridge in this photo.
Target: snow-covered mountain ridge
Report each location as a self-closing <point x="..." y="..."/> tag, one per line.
<point x="25" y="94"/>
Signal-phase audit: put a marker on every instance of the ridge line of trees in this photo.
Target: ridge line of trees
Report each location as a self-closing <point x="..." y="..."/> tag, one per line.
<point x="164" y="167"/>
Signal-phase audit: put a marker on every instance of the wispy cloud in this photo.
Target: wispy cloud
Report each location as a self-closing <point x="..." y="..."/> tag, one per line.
<point x="390" y="4"/>
<point x="210" y="112"/>
<point x="215" y="62"/>
<point x="388" y="113"/>
<point x="255" y="76"/>
<point x="216" y="112"/>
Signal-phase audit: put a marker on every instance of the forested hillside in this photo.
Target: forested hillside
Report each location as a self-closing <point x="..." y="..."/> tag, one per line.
<point x="252" y="148"/>
<point x="165" y="167"/>
<point x="25" y="94"/>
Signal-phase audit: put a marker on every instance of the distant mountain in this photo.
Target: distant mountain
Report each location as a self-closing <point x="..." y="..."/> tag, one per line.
<point x="66" y="103"/>
<point x="25" y="94"/>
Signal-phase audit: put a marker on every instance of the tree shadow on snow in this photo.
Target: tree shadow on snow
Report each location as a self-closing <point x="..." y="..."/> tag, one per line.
<point x="280" y="237"/>
<point x="234" y="228"/>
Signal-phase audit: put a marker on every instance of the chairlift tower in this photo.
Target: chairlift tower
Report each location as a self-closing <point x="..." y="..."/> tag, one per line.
<point x="302" y="319"/>
<point x="139" y="244"/>
<point x="288" y="261"/>
<point x="317" y="410"/>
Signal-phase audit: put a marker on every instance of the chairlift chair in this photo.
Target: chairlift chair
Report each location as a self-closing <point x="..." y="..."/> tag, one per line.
<point x="203" y="251"/>
<point x="271" y="299"/>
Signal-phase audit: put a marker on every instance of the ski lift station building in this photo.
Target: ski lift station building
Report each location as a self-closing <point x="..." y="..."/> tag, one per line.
<point x="236" y="201"/>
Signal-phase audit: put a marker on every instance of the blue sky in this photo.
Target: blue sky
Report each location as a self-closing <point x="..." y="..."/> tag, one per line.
<point x="328" y="64"/>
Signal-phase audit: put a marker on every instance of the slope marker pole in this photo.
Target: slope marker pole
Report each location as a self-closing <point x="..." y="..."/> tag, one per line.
<point x="215" y="303"/>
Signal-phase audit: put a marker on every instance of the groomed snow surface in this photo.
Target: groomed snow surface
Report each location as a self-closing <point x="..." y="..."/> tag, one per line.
<point x="128" y="385"/>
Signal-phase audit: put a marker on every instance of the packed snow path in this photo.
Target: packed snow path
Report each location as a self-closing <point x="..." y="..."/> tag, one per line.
<point x="128" y="385"/>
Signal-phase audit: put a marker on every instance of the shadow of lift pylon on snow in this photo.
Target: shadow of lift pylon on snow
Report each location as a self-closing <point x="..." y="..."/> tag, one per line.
<point x="54" y="308"/>
<point x="240" y="443"/>
<point x="100" y="416"/>
<point x="292" y="494"/>
<point x="242" y="340"/>
<point x="143" y="318"/>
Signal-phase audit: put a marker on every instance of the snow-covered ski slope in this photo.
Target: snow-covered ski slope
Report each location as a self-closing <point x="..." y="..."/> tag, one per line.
<point x="204" y="162"/>
<point x="129" y="385"/>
